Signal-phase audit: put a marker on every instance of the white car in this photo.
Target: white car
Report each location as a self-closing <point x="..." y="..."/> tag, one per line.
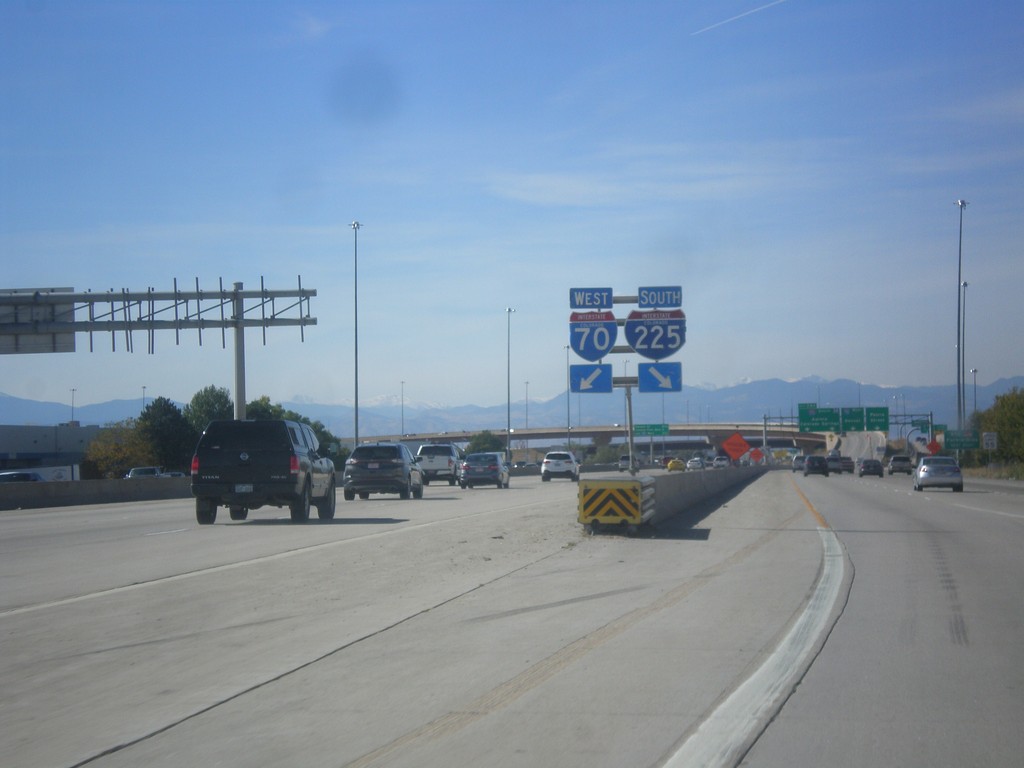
<point x="560" y="464"/>
<point x="721" y="461"/>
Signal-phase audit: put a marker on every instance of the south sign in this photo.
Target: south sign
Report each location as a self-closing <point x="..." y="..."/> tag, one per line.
<point x="656" y="334"/>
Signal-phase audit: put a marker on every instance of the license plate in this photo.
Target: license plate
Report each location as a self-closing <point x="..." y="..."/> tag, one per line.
<point x="243" y="488"/>
<point x="373" y="465"/>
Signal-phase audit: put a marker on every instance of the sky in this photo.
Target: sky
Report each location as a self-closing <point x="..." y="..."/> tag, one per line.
<point x="793" y="166"/>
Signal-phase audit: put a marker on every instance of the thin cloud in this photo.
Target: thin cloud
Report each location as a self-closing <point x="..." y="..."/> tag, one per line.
<point x="736" y="18"/>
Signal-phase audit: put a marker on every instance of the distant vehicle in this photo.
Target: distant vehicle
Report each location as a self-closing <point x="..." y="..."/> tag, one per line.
<point x="665" y="460"/>
<point x="484" y="469"/>
<point x="901" y="464"/>
<point x="870" y="467"/>
<point x="382" y="468"/>
<point x="847" y="463"/>
<point x="676" y="465"/>
<point x="798" y="463"/>
<point x="560" y="464"/>
<point x="244" y="465"/>
<point x="695" y="463"/>
<point x="623" y="462"/>
<point x="816" y="465"/>
<point x="721" y="461"/>
<point x="20" y="477"/>
<point x="835" y="464"/>
<point x="135" y="472"/>
<point x="938" y="472"/>
<point x="439" y="462"/>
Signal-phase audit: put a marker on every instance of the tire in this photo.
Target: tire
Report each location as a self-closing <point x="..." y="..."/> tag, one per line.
<point x="300" y="506"/>
<point x="545" y="477"/>
<point x="406" y="492"/>
<point x="364" y="495"/>
<point x="326" y="506"/>
<point x="958" y="489"/>
<point x="238" y="513"/>
<point x="426" y="481"/>
<point x="451" y="480"/>
<point x="417" y="491"/>
<point x="349" y="494"/>
<point x="206" y="512"/>
<point x="462" y="486"/>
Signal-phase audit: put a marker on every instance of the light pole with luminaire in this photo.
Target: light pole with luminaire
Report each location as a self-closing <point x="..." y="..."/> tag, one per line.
<point x="355" y="311"/>
<point x="508" y="381"/>
<point x="975" y="372"/>
<point x="961" y="204"/>
<point x="403" y="410"/>
<point x="72" y="405"/>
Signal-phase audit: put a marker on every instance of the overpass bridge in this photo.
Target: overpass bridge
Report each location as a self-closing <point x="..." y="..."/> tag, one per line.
<point x="680" y="436"/>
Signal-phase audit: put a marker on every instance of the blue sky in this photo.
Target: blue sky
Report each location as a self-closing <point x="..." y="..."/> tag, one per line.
<point x="793" y="166"/>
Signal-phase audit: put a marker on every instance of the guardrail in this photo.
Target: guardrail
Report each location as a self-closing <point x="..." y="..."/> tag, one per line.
<point x="72" y="492"/>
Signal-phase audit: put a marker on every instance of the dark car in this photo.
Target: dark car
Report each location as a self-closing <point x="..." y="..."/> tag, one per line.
<point x="870" y="467"/>
<point x="815" y="465"/>
<point x="245" y="465"/>
<point x="382" y="468"/>
<point x="484" y="469"/>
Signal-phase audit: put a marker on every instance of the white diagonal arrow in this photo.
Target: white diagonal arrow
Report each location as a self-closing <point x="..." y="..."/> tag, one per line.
<point x="664" y="382"/>
<point x="587" y="382"/>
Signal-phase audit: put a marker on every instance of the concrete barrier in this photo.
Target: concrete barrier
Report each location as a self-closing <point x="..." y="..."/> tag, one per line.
<point x="670" y="493"/>
<point x="72" y="492"/>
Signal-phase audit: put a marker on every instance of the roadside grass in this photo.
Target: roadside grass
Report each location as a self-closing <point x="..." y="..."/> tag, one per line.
<point x="1012" y="471"/>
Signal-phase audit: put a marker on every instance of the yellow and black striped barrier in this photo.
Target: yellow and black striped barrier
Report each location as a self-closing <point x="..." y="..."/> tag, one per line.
<point x="616" y="502"/>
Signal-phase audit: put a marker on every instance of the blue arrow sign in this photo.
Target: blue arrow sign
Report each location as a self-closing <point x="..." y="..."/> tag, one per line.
<point x="656" y="334"/>
<point x="660" y="377"/>
<point x="592" y="334"/>
<point x="590" y="378"/>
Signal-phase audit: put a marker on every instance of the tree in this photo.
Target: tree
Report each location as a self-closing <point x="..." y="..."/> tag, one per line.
<point x="208" y="404"/>
<point x="118" y="447"/>
<point x="170" y="435"/>
<point x="485" y="442"/>
<point x="1006" y="419"/>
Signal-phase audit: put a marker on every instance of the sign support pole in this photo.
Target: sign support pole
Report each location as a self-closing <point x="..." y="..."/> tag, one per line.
<point x="239" y="311"/>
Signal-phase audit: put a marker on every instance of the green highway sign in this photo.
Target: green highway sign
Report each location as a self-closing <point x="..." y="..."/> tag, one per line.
<point x="876" y="419"/>
<point x="650" y="430"/>
<point x="815" y="419"/>
<point x="961" y="440"/>
<point x="853" y="419"/>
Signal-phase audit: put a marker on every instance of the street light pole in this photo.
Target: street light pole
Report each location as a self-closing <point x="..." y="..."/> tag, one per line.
<point x="961" y="204"/>
<point x="403" y="409"/>
<point x="963" y="351"/>
<point x="508" y="382"/>
<point x="72" y="405"/>
<point x="355" y="311"/>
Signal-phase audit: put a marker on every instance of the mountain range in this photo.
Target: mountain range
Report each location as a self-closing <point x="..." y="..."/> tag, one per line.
<point x="744" y="402"/>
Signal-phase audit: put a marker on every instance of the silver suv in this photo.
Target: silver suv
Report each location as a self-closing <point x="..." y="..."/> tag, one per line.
<point x="560" y="464"/>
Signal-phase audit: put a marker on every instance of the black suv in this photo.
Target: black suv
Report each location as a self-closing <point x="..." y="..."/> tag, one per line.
<point x="245" y="465"/>
<point x="382" y="468"/>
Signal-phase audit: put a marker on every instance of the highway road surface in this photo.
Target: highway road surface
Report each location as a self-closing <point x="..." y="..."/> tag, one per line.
<point x="836" y="621"/>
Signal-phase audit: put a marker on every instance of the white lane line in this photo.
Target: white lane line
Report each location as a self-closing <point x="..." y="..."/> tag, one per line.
<point x="725" y="736"/>
<point x="164" y="533"/>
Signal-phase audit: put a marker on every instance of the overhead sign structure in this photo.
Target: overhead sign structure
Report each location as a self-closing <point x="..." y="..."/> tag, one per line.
<point x="876" y="419"/>
<point x="656" y="334"/>
<point x="590" y="378"/>
<point x="592" y="334"/>
<point x="660" y="377"/>
<point x="660" y="297"/>
<point x="590" y="298"/>
<point x="853" y="419"/>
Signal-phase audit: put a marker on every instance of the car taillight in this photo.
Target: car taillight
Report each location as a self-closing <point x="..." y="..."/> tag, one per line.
<point x="195" y="465"/>
<point x="293" y="465"/>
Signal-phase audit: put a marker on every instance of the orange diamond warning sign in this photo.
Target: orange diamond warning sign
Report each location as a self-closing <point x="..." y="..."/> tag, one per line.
<point x="735" y="446"/>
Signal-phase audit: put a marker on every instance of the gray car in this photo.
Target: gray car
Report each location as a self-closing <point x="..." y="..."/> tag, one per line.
<point x="382" y="468"/>
<point x="484" y="469"/>
<point x="938" y="472"/>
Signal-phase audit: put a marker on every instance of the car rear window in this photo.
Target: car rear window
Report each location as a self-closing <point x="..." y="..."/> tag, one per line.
<point x="435" y="450"/>
<point x="238" y="435"/>
<point x="559" y="456"/>
<point x="375" y="452"/>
